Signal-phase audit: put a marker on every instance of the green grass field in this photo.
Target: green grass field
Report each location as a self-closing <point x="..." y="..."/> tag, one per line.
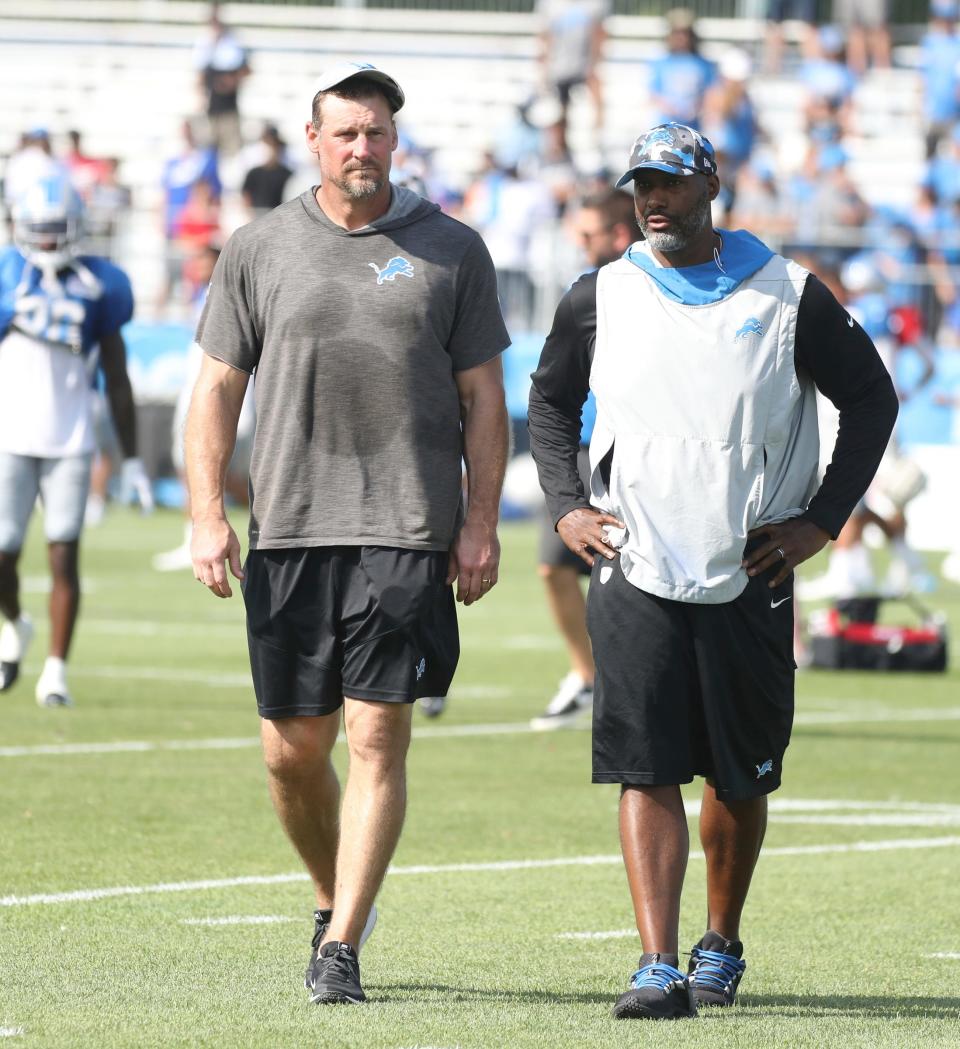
<point x="508" y="860"/>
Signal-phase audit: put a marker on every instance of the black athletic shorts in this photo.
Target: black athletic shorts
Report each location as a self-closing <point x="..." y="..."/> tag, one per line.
<point x="553" y="550"/>
<point x="686" y="690"/>
<point x="367" y="622"/>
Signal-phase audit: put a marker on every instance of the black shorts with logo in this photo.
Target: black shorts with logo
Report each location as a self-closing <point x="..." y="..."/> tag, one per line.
<point x="686" y="690"/>
<point x="367" y="622"/>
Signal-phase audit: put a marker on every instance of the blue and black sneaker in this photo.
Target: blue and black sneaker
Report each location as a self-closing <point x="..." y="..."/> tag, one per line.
<point x="716" y="965"/>
<point x="658" y="991"/>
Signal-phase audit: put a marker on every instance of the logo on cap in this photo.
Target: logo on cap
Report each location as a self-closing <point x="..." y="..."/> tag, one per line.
<point x="674" y="148"/>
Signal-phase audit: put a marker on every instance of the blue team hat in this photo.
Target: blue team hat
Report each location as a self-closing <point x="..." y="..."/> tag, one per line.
<point x="671" y="147"/>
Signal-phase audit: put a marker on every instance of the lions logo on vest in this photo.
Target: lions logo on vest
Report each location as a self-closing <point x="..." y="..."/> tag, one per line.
<point x="398" y="266"/>
<point x="751" y="326"/>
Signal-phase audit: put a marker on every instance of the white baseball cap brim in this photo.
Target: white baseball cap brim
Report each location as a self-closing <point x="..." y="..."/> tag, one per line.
<point x="344" y="71"/>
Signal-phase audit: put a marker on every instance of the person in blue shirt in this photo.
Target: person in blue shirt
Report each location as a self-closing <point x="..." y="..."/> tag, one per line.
<point x="60" y="318"/>
<point x="940" y="68"/>
<point x="680" y="78"/>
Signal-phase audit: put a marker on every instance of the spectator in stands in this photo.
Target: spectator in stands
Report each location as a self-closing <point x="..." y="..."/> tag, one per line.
<point x="507" y="208"/>
<point x="758" y="203"/>
<point x="109" y="206"/>
<point x="85" y="171"/>
<point x="198" y="224"/>
<point x="31" y="161"/>
<point x="192" y="164"/>
<point x="780" y="11"/>
<point x="263" y="185"/>
<point x="518" y="143"/>
<point x="571" y="47"/>
<point x="730" y="121"/>
<point x="868" y="36"/>
<point x="680" y="78"/>
<point x="826" y="206"/>
<point x="222" y="65"/>
<point x="828" y="82"/>
<point x="942" y="176"/>
<point x="940" y="68"/>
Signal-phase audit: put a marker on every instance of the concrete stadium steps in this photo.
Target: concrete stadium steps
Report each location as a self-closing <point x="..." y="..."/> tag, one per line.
<point x="127" y="84"/>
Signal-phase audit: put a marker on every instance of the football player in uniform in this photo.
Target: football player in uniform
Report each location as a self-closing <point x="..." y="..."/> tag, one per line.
<point x="60" y="318"/>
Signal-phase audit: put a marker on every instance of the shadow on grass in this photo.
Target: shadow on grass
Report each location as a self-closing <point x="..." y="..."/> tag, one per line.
<point x="382" y="993"/>
<point x="854" y="1005"/>
<point x="804" y="1005"/>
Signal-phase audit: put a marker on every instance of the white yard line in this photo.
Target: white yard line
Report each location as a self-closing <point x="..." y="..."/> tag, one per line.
<point x="616" y="934"/>
<point x="240" y="919"/>
<point x="945" y="955"/>
<point x="431" y="732"/>
<point x="144" y="746"/>
<point x="86" y="895"/>
<point x="11" y="1032"/>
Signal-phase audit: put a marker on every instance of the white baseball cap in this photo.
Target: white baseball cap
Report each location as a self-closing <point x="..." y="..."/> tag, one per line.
<point x="344" y="71"/>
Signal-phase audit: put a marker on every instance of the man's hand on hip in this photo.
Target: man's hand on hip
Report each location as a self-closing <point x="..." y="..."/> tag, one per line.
<point x="583" y="531"/>
<point x="214" y="543"/>
<point x="474" y="561"/>
<point x="788" y="544"/>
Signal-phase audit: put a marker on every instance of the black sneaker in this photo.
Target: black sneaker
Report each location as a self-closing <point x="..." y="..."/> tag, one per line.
<point x="321" y="922"/>
<point x="715" y="969"/>
<point x="337" y="976"/>
<point x="658" y="991"/>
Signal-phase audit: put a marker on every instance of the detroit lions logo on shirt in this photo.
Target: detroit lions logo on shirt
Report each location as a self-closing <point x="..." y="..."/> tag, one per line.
<point x="763" y="769"/>
<point x="751" y="326"/>
<point x="398" y="266"/>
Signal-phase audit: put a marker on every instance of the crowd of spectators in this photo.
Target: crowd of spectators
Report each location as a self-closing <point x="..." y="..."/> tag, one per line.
<point x="532" y="174"/>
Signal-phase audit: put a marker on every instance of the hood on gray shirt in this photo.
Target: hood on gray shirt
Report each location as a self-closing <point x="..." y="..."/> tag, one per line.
<point x="406" y="207"/>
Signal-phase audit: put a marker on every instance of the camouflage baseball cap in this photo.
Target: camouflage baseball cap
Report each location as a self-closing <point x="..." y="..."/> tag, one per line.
<point x="671" y="147"/>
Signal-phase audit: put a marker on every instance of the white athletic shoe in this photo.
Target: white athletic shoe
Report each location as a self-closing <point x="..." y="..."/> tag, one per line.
<point x="950" y="568"/>
<point x="574" y="698"/>
<point x="173" y="560"/>
<point x="432" y="706"/>
<point x="52" y="688"/>
<point x="15" y="638"/>
<point x="178" y="558"/>
<point x="848" y="574"/>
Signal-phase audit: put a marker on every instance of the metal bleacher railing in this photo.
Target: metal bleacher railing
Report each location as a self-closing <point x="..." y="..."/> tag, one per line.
<point x="903" y="12"/>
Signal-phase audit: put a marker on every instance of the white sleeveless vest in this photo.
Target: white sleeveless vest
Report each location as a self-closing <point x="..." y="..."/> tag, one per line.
<point x="711" y="431"/>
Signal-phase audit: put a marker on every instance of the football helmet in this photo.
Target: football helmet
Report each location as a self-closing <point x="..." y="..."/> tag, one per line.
<point x="48" y="222"/>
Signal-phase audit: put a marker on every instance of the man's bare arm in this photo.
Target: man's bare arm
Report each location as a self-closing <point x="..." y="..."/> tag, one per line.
<point x="209" y="438"/>
<point x="475" y="554"/>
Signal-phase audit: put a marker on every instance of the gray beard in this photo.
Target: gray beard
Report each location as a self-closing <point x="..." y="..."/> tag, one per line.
<point x="360" y="188"/>
<point x="685" y="230"/>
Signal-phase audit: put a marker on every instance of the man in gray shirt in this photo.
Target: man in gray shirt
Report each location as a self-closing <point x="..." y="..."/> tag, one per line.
<point x="371" y="321"/>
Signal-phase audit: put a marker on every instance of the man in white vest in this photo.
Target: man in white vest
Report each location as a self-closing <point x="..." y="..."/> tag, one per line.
<point x="704" y="350"/>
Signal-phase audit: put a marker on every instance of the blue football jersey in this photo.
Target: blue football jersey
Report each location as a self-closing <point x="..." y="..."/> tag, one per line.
<point x="89" y="300"/>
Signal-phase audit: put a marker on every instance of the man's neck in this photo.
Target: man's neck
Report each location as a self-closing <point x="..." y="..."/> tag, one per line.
<point x="695" y="254"/>
<point x="352" y="214"/>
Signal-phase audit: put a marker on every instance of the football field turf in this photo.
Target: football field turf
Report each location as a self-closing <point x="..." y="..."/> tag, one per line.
<point x="149" y="898"/>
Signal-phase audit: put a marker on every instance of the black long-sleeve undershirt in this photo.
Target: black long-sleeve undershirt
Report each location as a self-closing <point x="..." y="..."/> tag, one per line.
<point x="832" y="349"/>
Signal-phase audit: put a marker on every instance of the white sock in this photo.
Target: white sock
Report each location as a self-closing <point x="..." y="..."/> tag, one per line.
<point x="55" y="673"/>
